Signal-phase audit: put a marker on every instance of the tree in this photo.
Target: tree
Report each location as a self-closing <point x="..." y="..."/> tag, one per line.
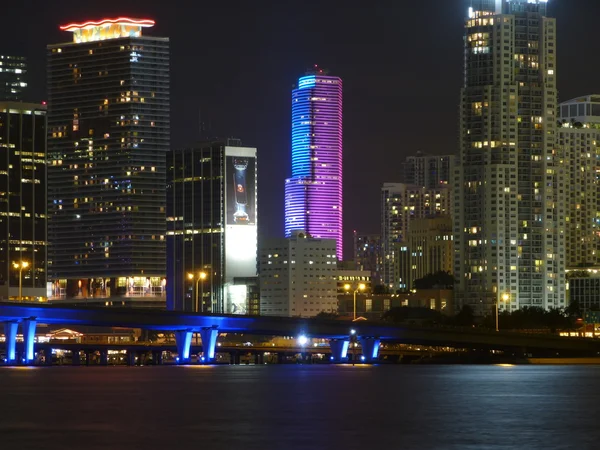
<point x="324" y="315"/>
<point x="465" y="317"/>
<point x="438" y="280"/>
<point x="380" y="289"/>
<point x="573" y="311"/>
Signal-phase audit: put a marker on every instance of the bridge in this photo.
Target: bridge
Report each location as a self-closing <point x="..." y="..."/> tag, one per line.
<point x="339" y="333"/>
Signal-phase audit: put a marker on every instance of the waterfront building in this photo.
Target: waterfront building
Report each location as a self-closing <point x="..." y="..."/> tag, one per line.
<point x="428" y="170"/>
<point x="23" y="203"/>
<point x="13" y="82"/>
<point x="298" y="276"/>
<point x="400" y="205"/>
<point x="509" y="229"/>
<point x="108" y="135"/>
<point x="579" y="146"/>
<point x="426" y="250"/>
<point x="212" y="228"/>
<point x="368" y="255"/>
<point x="313" y="194"/>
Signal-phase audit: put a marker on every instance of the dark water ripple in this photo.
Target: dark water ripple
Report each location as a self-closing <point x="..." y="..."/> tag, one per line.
<point x="300" y="407"/>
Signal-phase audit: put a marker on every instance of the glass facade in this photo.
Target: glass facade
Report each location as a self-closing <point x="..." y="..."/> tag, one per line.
<point x="211" y="227"/>
<point x="313" y="195"/>
<point x="108" y="136"/>
<point x="23" y="201"/>
<point x="13" y="70"/>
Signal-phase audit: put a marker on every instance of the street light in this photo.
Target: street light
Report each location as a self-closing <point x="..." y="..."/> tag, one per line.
<point x="20" y="266"/>
<point x="505" y="298"/>
<point x="359" y="287"/>
<point x="201" y="277"/>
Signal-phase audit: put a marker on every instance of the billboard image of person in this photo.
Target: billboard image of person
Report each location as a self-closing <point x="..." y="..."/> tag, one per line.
<point x="240" y="187"/>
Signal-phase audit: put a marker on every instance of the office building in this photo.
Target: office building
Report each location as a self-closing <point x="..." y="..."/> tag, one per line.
<point x="108" y="135"/>
<point x="428" y="170"/>
<point x="298" y="276"/>
<point x="509" y="209"/>
<point x="368" y="255"/>
<point x="23" y="203"/>
<point x="313" y="195"/>
<point x="426" y="250"/>
<point x="579" y="144"/>
<point x="212" y="227"/>
<point x="13" y="82"/>
<point x="400" y="205"/>
<point x="583" y="288"/>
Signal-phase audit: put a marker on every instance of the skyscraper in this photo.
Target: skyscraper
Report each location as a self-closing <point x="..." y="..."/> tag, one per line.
<point x="579" y="145"/>
<point x="23" y="201"/>
<point x="108" y="135"/>
<point x="401" y="204"/>
<point x="211" y="227"/>
<point x="313" y="195"/>
<point x="428" y="170"/>
<point x="509" y="209"/>
<point x="13" y="70"/>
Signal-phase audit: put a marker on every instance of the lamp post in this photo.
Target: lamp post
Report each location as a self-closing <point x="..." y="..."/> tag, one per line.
<point x="199" y="286"/>
<point x="359" y="287"/>
<point x="20" y="266"/>
<point x="505" y="298"/>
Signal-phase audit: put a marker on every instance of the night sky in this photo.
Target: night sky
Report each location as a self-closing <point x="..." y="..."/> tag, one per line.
<point x="233" y="63"/>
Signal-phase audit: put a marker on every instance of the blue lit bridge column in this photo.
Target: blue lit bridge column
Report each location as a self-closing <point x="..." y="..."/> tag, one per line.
<point x="339" y="349"/>
<point x="28" y="339"/>
<point x="10" y="331"/>
<point x="370" y="348"/>
<point x="209" y="342"/>
<point x="183" y="338"/>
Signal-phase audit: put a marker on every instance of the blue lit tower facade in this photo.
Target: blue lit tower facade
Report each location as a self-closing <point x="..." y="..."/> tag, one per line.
<point x="313" y="195"/>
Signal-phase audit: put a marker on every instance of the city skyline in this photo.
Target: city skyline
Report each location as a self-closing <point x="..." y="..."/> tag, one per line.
<point x="374" y="83"/>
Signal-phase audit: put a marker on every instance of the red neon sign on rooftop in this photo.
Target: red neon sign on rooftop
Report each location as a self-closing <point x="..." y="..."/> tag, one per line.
<point x="108" y="22"/>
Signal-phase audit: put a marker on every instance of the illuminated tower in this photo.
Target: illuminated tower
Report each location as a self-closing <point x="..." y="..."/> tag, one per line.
<point x="108" y="136"/>
<point x="313" y="195"/>
<point x="509" y="187"/>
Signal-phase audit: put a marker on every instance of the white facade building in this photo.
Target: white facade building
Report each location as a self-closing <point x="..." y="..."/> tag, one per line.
<point x="579" y="144"/>
<point x="509" y="229"/>
<point x="298" y="276"/>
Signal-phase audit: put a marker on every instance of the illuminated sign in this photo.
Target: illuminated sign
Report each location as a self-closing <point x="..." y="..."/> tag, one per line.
<point x="240" y="224"/>
<point x="107" y="29"/>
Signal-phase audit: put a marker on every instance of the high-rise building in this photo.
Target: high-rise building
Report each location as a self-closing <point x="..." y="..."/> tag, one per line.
<point x="23" y="202"/>
<point x="428" y="170"/>
<point x="108" y="135"/>
<point x="508" y="201"/>
<point x="400" y="205"/>
<point x="298" y="276"/>
<point x="368" y="255"/>
<point x="212" y="228"/>
<point x="579" y="144"/>
<point x="313" y="195"/>
<point x="426" y="250"/>
<point x="13" y="71"/>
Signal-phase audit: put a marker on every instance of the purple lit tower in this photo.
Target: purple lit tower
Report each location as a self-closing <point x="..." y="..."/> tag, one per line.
<point x="313" y="195"/>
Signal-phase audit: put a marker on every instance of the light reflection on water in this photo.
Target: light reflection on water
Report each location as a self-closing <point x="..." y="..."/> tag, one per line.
<point x="299" y="407"/>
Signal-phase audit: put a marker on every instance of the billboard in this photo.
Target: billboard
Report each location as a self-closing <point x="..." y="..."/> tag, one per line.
<point x="240" y="189"/>
<point x="241" y="218"/>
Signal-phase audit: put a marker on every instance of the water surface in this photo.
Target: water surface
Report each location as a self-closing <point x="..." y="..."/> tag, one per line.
<point x="300" y="407"/>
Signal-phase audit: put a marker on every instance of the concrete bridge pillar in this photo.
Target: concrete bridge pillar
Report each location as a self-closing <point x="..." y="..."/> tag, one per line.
<point x="104" y="357"/>
<point x="76" y="357"/>
<point x="209" y="342"/>
<point x="370" y="348"/>
<point x="10" y="331"/>
<point x="28" y="339"/>
<point x="48" y="356"/>
<point x="339" y="349"/>
<point x="183" y="339"/>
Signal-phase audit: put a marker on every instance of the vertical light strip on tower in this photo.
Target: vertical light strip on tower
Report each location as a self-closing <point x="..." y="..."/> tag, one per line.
<point x="313" y="195"/>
